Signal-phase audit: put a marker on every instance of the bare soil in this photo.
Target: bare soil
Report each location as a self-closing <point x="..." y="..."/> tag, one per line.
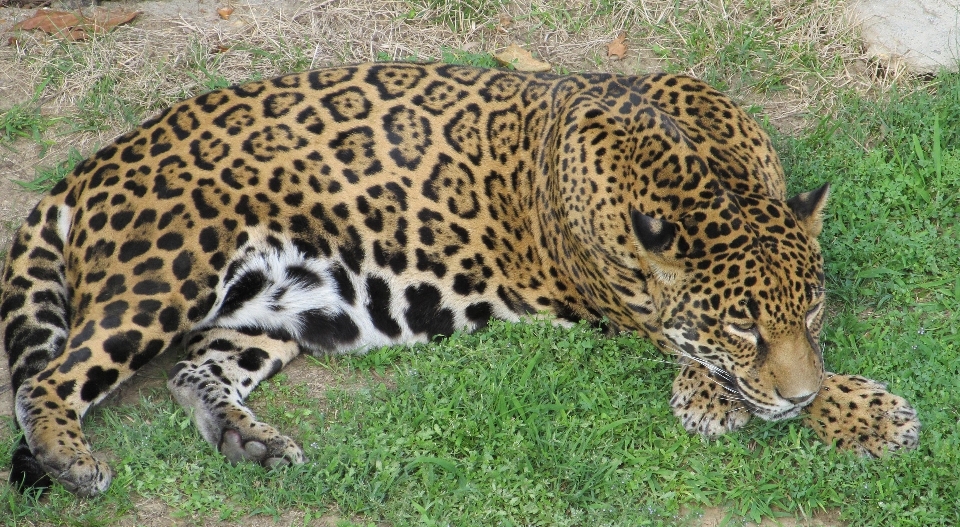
<point x="337" y="31"/>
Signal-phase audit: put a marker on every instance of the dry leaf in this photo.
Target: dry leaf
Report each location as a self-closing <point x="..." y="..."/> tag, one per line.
<point x="225" y="12"/>
<point x="105" y="20"/>
<point x="521" y="59"/>
<point x="76" y="26"/>
<point x="505" y="22"/>
<point x="617" y="48"/>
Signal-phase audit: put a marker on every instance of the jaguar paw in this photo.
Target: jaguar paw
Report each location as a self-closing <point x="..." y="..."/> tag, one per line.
<point x="859" y="414"/>
<point x="704" y="405"/>
<point x="83" y="474"/>
<point x="260" y="444"/>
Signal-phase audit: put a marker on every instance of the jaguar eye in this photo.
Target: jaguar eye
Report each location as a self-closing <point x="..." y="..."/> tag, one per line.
<point x="744" y="330"/>
<point x="813" y="313"/>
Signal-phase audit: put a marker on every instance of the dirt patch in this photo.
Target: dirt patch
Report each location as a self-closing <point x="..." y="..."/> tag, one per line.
<point x="718" y="517"/>
<point x="152" y="513"/>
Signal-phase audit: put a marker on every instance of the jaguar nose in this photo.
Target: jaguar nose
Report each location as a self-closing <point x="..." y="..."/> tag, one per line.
<point x="802" y="400"/>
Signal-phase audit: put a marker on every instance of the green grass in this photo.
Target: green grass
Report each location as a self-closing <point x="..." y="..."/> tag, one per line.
<point x="535" y="425"/>
<point x="458" y="15"/>
<point x="23" y="120"/>
<point x="103" y="103"/>
<point x="48" y="176"/>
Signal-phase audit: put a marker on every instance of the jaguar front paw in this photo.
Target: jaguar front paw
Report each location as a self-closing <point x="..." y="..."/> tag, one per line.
<point x="704" y="404"/>
<point x="859" y="414"/>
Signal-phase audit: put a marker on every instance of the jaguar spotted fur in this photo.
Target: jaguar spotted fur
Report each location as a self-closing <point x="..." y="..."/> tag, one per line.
<point x="352" y="207"/>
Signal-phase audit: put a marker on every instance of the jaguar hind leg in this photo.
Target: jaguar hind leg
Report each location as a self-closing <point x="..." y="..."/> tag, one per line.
<point x="859" y="414"/>
<point x="704" y="404"/>
<point x="50" y="404"/>
<point x="222" y="368"/>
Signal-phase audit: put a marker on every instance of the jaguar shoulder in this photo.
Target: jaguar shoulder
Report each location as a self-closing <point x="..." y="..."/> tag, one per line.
<point x="352" y="207"/>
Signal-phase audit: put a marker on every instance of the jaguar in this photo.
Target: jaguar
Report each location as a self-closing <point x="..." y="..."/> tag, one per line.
<point x="352" y="207"/>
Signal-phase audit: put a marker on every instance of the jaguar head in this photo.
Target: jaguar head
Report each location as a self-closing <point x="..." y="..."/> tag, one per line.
<point x="738" y="287"/>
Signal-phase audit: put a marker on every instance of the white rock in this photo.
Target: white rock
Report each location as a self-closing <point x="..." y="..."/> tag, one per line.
<point x="922" y="34"/>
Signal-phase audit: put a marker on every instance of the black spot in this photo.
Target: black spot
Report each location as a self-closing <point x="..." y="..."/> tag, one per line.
<point x="299" y="224"/>
<point x="427" y="262"/>
<point x="425" y="313"/>
<point x="75" y="357"/>
<point x="218" y="344"/>
<point x="39" y="253"/>
<point x="209" y="239"/>
<point x="426" y="235"/>
<point x="97" y="221"/>
<point x="344" y="285"/>
<point x="115" y="285"/>
<point x="133" y="248"/>
<point x="189" y="290"/>
<point x="151" y="350"/>
<point x="25" y="337"/>
<point x="294" y="199"/>
<point x="379" y="307"/>
<point x="169" y="319"/>
<point x="304" y="277"/>
<point x="59" y="188"/>
<point x="170" y="241"/>
<point x="397" y="260"/>
<point x="182" y="265"/>
<point x="113" y="314"/>
<point x="51" y="317"/>
<point x="66" y="389"/>
<point x="18" y="248"/>
<point x="33" y="219"/>
<point x="462" y="284"/>
<point x="514" y="301"/>
<point x="50" y="235"/>
<point x="480" y="313"/>
<point x="138" y="190"/>
<point x="12" y="303"/>
<point x="352" y="252"/>
<point x="122" y="345"/>
<point x="325" y="331"/>
<point x="163" y="190"/>
<point x="82" y="336"/>
<point x="94" y="277"/>
<point x="205" y="210"/>
<point x="119" y="220"/>
<point x="42" y="273"/>
<point x="98" y="381"/>
<point x="151" y="264"/>
<point x="252" y="359"/>
<point x="151" y="287"/>
<point x="242" y="290"/>
<point x="142" y="319"/>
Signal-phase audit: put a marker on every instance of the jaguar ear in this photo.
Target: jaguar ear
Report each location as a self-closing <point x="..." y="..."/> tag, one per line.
<point x="655" y="235"/>
<point x="809" y="208"/>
